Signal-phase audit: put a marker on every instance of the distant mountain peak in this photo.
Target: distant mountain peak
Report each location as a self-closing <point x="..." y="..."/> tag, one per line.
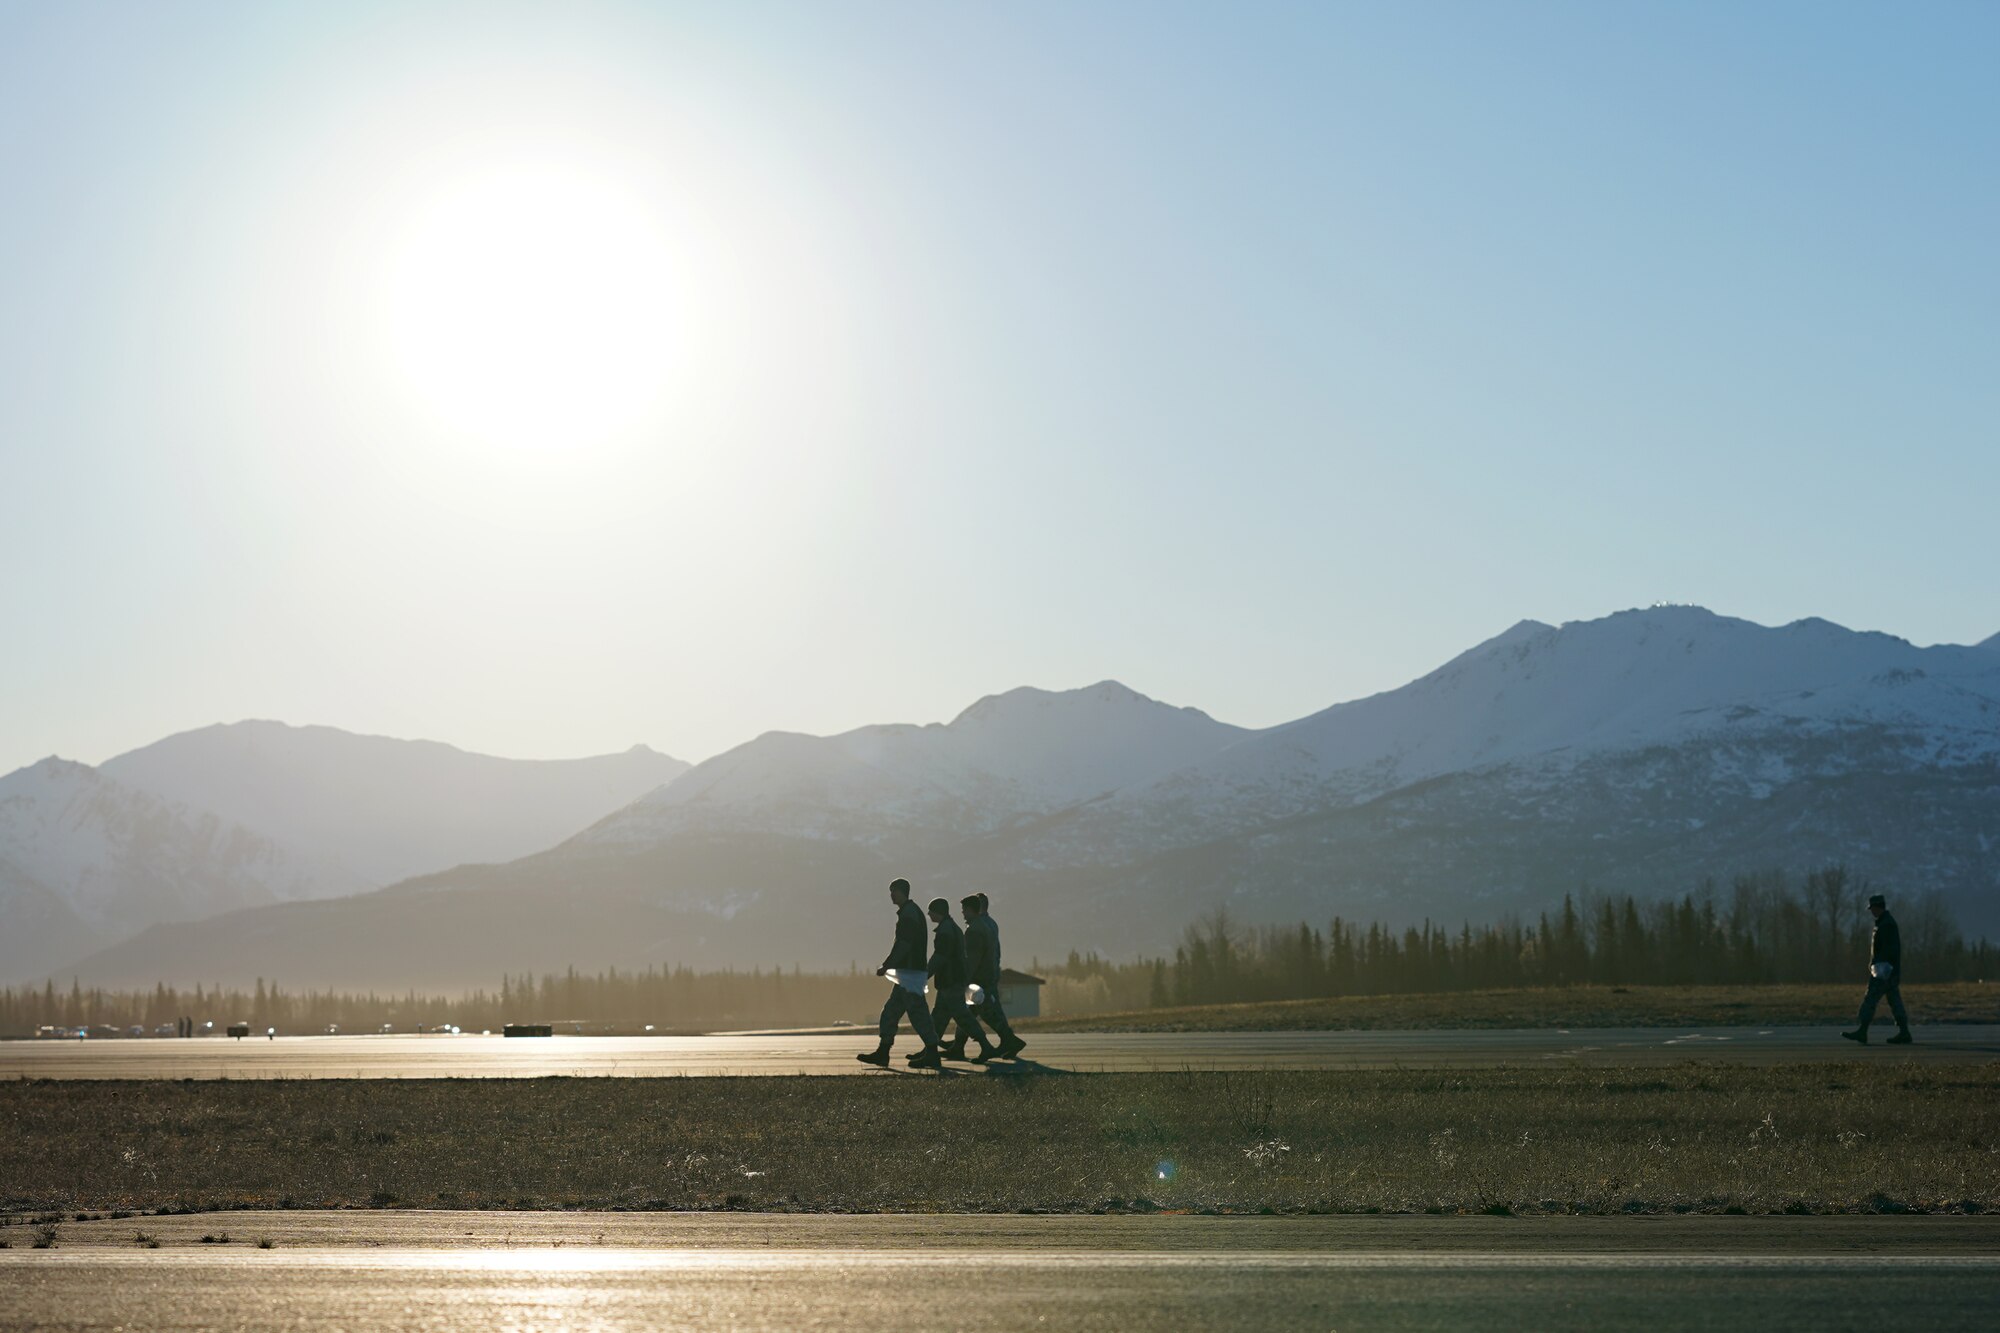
<point x="1520" y="631"/>
<point x="55" y="767"/>
<point x="1991" y="645"/>
<point x="1028" y="697"/>
<point x="1680" y="615"/>
<point x="382" y="808"/>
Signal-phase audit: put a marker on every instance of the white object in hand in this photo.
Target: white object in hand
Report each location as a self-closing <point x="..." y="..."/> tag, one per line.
<point x="975" y="993"/>
<point x="1882" y="969"/>
<point x="914" y="982"/>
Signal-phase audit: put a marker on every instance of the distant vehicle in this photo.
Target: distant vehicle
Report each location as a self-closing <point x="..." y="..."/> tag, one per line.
<point x="104" y="1030"/>
<point x="527" y="1030"/>
<point x="136" y="1030"/>
<point x="388" y="1027"/>
<point x="333" y="1029"/>
<point x="166" y="1030"/>
<point x="842" y="1023"/>
<point x="238" y="1030"/>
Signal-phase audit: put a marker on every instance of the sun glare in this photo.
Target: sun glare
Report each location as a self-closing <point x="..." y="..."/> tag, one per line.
<point x="535" y="306"/>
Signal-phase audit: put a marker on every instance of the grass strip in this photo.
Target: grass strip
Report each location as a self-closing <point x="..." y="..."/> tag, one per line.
<point x="1703" y="1138"/>
<point x="1554" y="1006"/>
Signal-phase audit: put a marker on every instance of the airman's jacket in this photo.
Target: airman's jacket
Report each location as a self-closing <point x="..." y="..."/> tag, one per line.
<point x="982" y="954"/>
<point x="948" y="956"/>
<point x="908" y="953"/>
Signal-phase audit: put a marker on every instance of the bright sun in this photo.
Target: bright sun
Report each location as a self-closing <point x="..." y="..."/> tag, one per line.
<point x="535" y="306"/>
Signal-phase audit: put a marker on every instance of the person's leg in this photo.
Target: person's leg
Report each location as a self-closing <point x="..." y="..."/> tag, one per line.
<point x="1868" y="1003"/>
<point x="1895" y="993"/>
<point x="941" y="1016"/>
<point x="920" y="1019"/>
<point x="996" y="1018"/>
<point x="892" y="1014"/>
<point x="968" y="1027"/>
<point x="885" y="1029"/>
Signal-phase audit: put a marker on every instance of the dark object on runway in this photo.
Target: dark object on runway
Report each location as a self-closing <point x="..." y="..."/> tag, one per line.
<point x="528" y="1030"/>
<point x="1885" y="973"/>
<point x="906" y="968"/>
<point x="239" y="1030"/>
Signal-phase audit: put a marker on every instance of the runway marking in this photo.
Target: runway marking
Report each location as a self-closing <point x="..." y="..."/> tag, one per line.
<point x="528" y="1261"/>
<point x="409" y="1056"/>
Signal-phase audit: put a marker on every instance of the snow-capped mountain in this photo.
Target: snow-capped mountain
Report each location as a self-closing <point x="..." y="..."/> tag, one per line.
<point x="1634" y="681"/>
<point x="1644" y="752"/>
<point x="86" y="860"/>
<point x="387" y="809"/>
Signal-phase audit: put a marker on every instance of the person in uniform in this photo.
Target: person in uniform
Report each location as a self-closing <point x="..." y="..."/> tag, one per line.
<point x="906" y="995"/>
<point x="1885" y="976"/>
<point x="948" y="974"/>
<point x="982" y="956"/>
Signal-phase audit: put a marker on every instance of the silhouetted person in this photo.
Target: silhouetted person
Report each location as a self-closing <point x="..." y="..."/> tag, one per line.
<point x="949" y="976"/>
<point x="906" y="959"/>
<point x="1885" y="976"/>
<point x="982" y="957"/>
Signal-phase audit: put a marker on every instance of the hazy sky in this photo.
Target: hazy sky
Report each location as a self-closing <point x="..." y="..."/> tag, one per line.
<point x="547" y="378"/>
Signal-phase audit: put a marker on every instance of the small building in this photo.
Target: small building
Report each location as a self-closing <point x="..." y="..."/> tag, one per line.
<point x="1020" y="993"/>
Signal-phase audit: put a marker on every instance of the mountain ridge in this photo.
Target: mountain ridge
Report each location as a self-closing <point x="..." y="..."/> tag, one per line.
<point x="1645" y="750"/>
<point x="381" y="807"/>
<point x="261" y="813"/>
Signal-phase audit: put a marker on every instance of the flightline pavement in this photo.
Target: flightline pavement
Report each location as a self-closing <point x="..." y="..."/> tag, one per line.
<point x="744" y="1055"/>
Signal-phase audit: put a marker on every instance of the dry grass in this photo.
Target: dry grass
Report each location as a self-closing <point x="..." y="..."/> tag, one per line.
<point x="1565" y="1006"/>
<point x="1825" y="1138"/>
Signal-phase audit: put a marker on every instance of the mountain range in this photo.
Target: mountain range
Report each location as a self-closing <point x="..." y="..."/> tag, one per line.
<point x="1645" y="752"/>
<point x="258" y="813"/>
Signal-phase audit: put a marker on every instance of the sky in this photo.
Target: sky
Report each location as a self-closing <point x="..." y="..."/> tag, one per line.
<point x="547" y="379"/>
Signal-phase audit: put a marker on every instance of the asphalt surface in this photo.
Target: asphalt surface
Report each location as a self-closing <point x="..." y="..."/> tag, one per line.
<point x="442" y="1272"/>
<point x="469" y="1056"/>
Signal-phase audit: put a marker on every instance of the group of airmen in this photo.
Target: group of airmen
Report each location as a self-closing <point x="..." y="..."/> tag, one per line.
<point x="965" y="967"/>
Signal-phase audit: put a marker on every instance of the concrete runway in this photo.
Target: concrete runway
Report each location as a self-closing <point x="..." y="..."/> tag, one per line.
<point x="410" y="1056"/>
<point x="442" y="1272"/>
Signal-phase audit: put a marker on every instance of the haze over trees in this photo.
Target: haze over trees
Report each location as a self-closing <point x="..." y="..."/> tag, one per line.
<point x="1763" y="928"/>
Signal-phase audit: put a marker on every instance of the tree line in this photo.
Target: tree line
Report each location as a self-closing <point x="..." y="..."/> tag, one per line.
<point x="1762" y="928"/>
<point x="669" y="999"/>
